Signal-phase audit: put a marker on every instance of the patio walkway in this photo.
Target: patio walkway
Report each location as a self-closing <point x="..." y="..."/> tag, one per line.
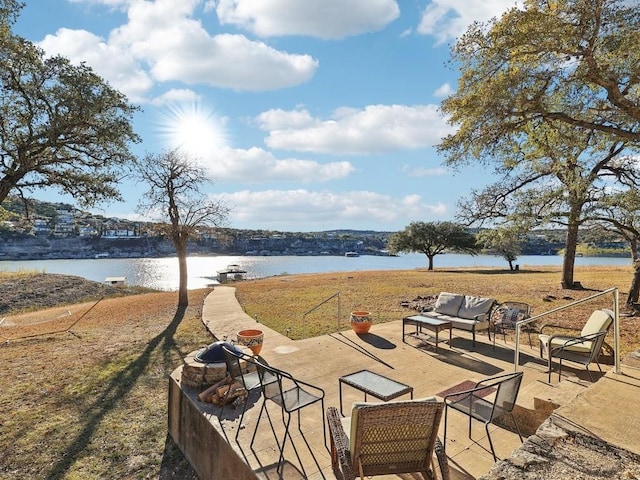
<point x="321" y="360"/>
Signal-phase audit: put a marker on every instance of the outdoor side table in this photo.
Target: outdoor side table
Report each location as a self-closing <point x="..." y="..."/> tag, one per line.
<point x="373" y="384"/>
<point x="433" y="324"/>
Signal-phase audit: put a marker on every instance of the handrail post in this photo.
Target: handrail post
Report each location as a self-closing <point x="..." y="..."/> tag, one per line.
<point x="304" y="315"/>
<point x="516" y="354"/>
<point x="616" y="331"/>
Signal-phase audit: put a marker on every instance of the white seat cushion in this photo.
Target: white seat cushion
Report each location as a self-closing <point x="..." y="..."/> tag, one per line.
<point x="559" y="341"/>
<point x="598" y="321"/>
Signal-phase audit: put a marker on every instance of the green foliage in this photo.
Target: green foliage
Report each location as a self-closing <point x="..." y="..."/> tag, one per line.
<point x="568" y="62"/>
<point x="61" y="125"/>
<point x="550" y="96"/>
<point x="504" y="241"/>
<point x="433" y="238"/>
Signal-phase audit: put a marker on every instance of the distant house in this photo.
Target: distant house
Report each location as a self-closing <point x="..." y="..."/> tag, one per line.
<point x="87" y="231"/>
<point x="41" y="227"/>
<point x="119" y="233"/>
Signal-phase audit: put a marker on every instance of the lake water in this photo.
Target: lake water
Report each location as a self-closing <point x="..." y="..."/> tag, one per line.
<point x="162" y="273"/>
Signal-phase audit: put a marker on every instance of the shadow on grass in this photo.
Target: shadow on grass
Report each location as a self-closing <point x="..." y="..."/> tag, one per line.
<point x="174" y="464"/>
<point x="112" y="395"/>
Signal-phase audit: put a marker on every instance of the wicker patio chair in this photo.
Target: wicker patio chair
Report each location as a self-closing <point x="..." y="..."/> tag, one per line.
<point x="387" y="438"/>
<point x="584" y="348"/>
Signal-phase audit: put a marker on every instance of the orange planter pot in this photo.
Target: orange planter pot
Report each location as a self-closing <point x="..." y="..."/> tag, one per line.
<point x="361" y="321"/>
<point x="251" y="338"/>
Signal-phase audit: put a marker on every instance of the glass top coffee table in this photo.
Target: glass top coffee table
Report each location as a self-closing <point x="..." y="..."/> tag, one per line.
<point x="377" y="386"/>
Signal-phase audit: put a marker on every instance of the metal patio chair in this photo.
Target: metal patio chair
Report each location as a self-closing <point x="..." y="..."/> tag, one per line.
<point x="473" y="403"/>
<point x="584" y="348"/>
<point x="506" y="315"/>
<point x="242" y="368"/>
<point x="291" y="395"/>
<point x="387" y="439"/>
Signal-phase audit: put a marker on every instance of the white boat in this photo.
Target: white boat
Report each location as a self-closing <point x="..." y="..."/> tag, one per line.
<point x="351" y="254"/>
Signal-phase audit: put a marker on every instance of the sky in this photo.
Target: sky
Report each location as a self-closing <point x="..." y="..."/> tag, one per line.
<point x="310" y="115"/>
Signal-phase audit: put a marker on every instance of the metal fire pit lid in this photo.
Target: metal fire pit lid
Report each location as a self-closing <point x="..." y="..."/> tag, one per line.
<point x="213" y="353"/>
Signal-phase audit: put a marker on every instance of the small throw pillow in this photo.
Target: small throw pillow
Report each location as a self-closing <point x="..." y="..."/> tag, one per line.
<point x="510" y="316"/>
<point x="448" y="303"/>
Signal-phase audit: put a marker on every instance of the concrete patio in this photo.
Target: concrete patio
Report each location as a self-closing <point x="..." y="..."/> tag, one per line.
<point x="322" y="360"/>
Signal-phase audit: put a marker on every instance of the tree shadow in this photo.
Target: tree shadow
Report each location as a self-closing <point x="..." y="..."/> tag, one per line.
<point x="112" y="395"/>
<point x="174" y="464"/>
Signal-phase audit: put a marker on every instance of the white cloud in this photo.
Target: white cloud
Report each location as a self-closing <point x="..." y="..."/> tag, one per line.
<point x="162" y="42"/>
<point x="279" y="119"/>
<point x="443" y="91"/>
<point x="259" y="166"/>
<point x="177" y="95"/>
<point x="327" y="19"/>
<point x="374" y="129"/>
<point x="288" y="209"/>
<point x="424" y="172"/>
<point x="112" y="62"/>
<point x="448" y="19"/>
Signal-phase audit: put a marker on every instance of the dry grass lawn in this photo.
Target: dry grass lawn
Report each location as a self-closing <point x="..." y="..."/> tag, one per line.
<point x="84" y="388"/>
<point x="84" y="385"/>
<point x="281" y="302"/>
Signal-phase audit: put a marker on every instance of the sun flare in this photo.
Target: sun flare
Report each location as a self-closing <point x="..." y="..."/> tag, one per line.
<point x="196" y="130"/>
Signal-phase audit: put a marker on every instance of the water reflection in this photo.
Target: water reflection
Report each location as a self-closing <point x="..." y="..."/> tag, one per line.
<point x="162" y="273"/>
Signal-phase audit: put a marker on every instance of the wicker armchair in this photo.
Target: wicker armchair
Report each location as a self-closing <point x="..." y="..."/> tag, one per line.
<point x="387" y="438"/>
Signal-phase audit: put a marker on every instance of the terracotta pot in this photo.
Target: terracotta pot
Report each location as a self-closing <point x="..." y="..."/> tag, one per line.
<point x="251" y="338"/>
<point x="361" y="321"/>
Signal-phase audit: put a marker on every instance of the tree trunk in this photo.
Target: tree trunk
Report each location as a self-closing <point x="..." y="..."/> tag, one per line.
<point x="430" y="257"/>
<point x="183" y="294"/>
<point x="510" y="265"/>
<point x="634" y="289"/>
<point x="569" y="255"/>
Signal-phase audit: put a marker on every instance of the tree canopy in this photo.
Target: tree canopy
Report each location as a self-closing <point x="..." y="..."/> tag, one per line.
<point x="175" y="183"/>
<point x="61" y="125"/>
<point x="503" y="241"/>
<point x="549" y="95"/>
<point x="433" y="238"/>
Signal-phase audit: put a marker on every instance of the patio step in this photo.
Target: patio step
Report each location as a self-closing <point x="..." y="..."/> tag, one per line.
<point x="538" y="400"/>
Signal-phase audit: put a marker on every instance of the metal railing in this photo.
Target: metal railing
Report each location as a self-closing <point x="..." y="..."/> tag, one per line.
<point x="304" y="322"/>
<point x="616" y="325"/>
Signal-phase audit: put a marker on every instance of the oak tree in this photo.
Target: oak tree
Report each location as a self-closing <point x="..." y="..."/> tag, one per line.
<point x="433" y="238"/>
<point x="503" y="241"/>
<point x="549" y="95"/>
<point x="620" y="212"/>
<point x="61" y="125"/>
